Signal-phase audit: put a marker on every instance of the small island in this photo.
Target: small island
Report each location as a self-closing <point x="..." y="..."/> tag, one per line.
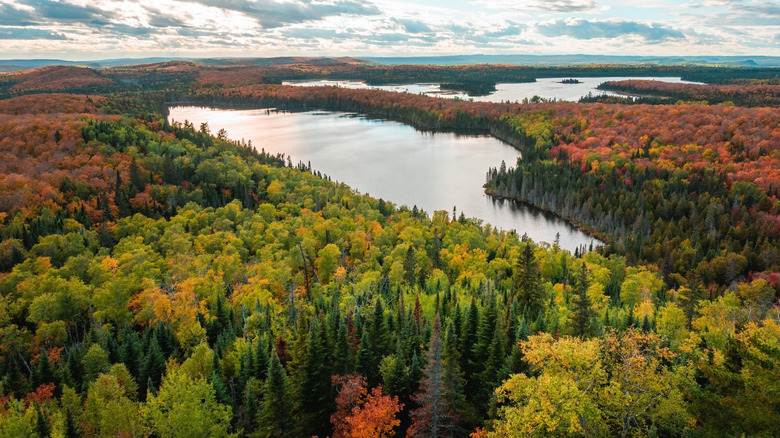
<point x="570" y="81"/>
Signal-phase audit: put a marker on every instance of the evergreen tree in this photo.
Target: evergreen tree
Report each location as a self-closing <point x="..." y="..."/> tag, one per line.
<point x="43" y="371"/>
<point x="434" y="417"/>
<point x="527" y="280"/>
<point x="452" y="377"/>
<point x="367" y="363"/>
<point x="261" y="358"/>
<point x="344" y="358"/>
<point x="42" y="425"/>
<point x="485" y="332"/>
<point x="581" y="318"/>
<point x="274" y="419"/>
<point x="494" y="368"/>
<point x="130" y="352"/>
<point x="466" y="339"/>
<point x="314" y="392"/>
<point x="221" y="390"/>
<point x="153" y="368"/>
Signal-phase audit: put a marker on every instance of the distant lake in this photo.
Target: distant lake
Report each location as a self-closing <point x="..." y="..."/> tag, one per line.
<point x="393" y="161"/>
<point x="548" y="88"/>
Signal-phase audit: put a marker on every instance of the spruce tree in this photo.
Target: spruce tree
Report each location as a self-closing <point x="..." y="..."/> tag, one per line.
<point x="453" y="380"/>
<point x="344" y="358"/>
<point x="434" y="417"/>
<point x="153" y="368"/>
<point x="261" y="358"/>
<point x="43" y="372"/>
<point x="485" y="332"/>
<point x="527" y="280"/>
<point x="314" y="393"/>
<point x="466" y="339"/>
<point x="367" y="364"/>
<point x="274" y="419"/>
<point x="130" y="352"/>
<point x="581" y="324"/>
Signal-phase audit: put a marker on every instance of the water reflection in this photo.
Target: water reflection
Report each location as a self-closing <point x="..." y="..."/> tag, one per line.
<point x="433" y="171"/>
<point x="547" y="88"/>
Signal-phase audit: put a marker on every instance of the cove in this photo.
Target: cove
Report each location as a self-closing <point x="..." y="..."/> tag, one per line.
<point x="393" y="161"/>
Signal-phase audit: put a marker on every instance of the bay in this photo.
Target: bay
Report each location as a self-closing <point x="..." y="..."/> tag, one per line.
<point x="393" y="161"/>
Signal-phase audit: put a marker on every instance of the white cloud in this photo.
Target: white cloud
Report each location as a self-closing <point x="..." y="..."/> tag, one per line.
<point x="75" y="29"/>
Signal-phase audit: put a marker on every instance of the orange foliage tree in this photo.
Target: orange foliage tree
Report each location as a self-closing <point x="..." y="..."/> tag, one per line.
<point x="360" y="414"/>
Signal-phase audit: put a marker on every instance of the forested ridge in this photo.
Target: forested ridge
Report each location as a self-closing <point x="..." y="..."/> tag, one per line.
<point x="161" y="280"/>
<point x="473" y="79"/>
<point x="740" y="95"/>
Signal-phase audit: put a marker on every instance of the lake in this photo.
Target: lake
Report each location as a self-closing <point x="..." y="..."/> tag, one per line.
<point x="393" y="161"/>
<point x="548" y="88"/>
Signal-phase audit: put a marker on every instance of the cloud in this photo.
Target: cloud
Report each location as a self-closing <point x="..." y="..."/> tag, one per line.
<point x="127" y="30"/>
<point x="272" y="13"/>
<point x="586" y="30"/>
<point x="10" y="16"/>
<point x="23" y="33"/>
<point x="312" y="33"/>
<point x="60" y="11"/>
<point x="563" y="6"/>
<point x="764" y="9"/>
<point x="511" y="29"/>
<point x="413" y="26"/>
<point x="161" y="19"/>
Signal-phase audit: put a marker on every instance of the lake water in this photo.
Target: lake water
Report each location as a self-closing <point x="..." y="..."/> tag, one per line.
<point x="392" y="161"/>
<point x="548" y="88"/>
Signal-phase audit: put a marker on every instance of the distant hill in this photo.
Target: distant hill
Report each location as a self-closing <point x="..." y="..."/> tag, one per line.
<point x="12" y="65"/>
<point x="553" y="60"/>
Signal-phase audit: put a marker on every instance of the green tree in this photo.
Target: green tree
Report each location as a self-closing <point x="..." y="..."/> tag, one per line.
<point x="435" y="416"/>
<point x="527" y="280"/>
<point x="109" y="410"/>
<point x="314" y="390"/>
<point x="153" y="368"/>
<point x="94" y="363"/>
<point x="581" y="313"/>
<point x="274" y="419"/>
<point x="327" y="262"/>
<point x="186" y="407"/>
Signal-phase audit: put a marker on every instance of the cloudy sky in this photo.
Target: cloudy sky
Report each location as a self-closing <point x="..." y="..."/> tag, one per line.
<point x="100" y="29"/>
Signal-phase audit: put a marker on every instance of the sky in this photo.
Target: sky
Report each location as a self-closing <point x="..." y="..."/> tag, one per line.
<point x="108" y="29"/>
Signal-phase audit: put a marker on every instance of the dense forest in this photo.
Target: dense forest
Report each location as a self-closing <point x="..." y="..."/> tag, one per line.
<point x="159" y="279"/>
<point x="473" y="79"/>
<point x="740" y="95"/>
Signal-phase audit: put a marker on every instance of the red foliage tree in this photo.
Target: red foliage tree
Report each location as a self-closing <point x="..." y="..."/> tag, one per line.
<point x="360" y="414"/>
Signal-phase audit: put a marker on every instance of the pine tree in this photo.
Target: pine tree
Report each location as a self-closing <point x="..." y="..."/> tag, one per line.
<point x="314" y="392"/>
<point x="527" y="280"/>
<point x="494" y="367"/>
<point x="368" y="364"/>
<point x="221" y="390"/>
<point x="344" y="356"/>
<point x="261" y="358"/>
<point x="434" y="417"/>
<point x="153" y="368"/>
<point x="43" y="371"/>
<point x="274" y="419"/>
<point x="248" y="413"/>
<point x="130" y="352"/>
<point x="581" y="324"/>
<point x="466" y="338"/>
<point x="485" y="332"/>
<point x="452" y="377"/>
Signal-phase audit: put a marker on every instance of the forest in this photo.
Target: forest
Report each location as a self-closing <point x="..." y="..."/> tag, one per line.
<point x="740" y="95"/>
<point x="473" y="79"/>
<point x="159" y="279"/>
